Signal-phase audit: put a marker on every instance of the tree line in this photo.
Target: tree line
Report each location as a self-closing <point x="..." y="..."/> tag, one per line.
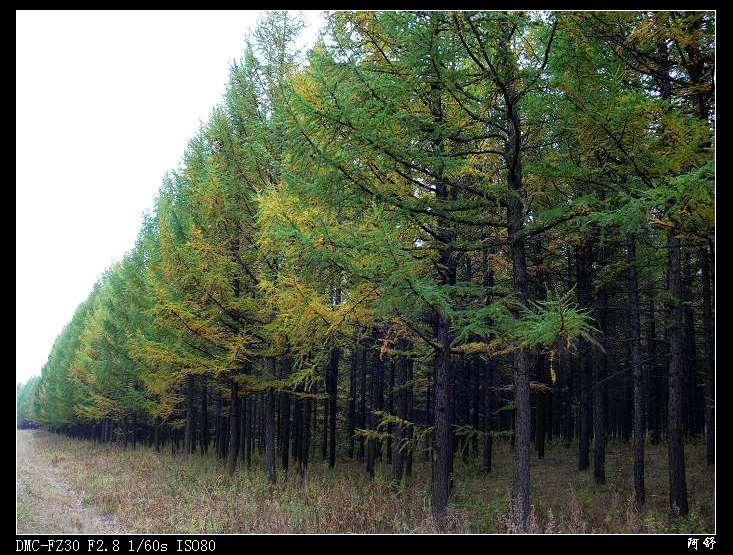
<point x="430" y="232"/>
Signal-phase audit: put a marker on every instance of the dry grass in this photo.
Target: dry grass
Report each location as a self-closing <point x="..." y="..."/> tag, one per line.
<point x="45" y="502"/>
<point x="149" y="492"/>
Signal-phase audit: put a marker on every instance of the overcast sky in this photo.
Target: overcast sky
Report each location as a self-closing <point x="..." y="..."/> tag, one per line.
<point x="105" y="104"/>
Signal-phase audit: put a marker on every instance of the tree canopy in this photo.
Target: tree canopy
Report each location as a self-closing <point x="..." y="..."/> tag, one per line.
<point x="465" y="207"/>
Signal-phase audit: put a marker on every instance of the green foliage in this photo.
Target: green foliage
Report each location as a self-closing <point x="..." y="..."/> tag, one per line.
<point x="25" y="402"/>
<point x="361" y="193"/>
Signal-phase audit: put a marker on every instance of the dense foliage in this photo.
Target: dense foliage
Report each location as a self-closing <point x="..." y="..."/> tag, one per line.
<point x="437" y="230"/>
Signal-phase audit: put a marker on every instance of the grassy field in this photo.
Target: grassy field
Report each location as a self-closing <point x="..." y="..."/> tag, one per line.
<point x="45" y="500"/>
<point x="146" y="492"/>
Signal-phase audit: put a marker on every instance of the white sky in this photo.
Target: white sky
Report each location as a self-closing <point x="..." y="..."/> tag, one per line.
<point x="106" y="102"/>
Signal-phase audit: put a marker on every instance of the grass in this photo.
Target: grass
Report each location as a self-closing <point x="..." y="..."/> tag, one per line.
<point x="24" y="515"/>
<point x="162" y="493"/>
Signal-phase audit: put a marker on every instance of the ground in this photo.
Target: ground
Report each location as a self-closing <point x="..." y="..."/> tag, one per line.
<point x="66" y="485"/>
<point x="45" y="501"/>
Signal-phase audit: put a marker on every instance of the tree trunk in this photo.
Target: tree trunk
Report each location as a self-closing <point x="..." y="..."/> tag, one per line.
<point x="566" y="370"/>
<point x="379" y="403"/>
<point x="285" y="430"/>
<point x="390" y="409"/>
<point x="261" y="417"/>
<point x="709" y="346"/>
<point x="234" y="423"/>
<point x="204" y="417"/>
<point x="636" y="372"/>
<point x="188" y="438"/>
<point x="654" y="381"/>
<point x="297" y="430"/>
<point x="541" y="410"/>
<point x="305" y="448"/>
<point x="410" y="410"/>
<point x="676" y="449"/>
<point x="371" y="444"/>
<point x="324" y="437"/>
<point x="692" y="400"/>
<point x="251" y="411"/>
<point x="401" y="400"/>
<point x="362" y="401"/>
<point x="488" y="414"/>
<point x="475" y="403"/>
<point x="429" y="414"/>
<point x="333" y="368"/>
<point x="243" y="430"/>
<point x="269" y="425"/>
<point x="156" y="435"/>
<point x="599" y="384"/>
<point x="285" y="419"/>
<point x="441" y="428"/>
<point x="220" y="429"/>
<point x="584" y="261"/>
<point x="351" y="424"/>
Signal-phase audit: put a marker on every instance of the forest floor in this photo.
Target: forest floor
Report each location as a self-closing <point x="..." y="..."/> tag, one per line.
<point x="46" y="503"/>
<point x="71" y="485"/>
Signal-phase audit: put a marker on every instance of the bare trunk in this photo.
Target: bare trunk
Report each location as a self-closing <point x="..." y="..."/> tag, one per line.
<point x="584" y="261"/>
<point x="234" y="423"/>
<point x="204" y="417"/>
<point x="709" y="345"/>
<point x="269" y="425"/>
<point x="441" y="428"/>
<point x="636" y="371"/>
<point x="676" y="448"/>
<point x="599" y="385"/>
<point x="333" y="368"/>
<point x="188" y="438"/>
<point x="351" y="425"/>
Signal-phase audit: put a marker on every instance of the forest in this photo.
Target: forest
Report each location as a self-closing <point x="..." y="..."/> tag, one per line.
<point x="430" y="235"/>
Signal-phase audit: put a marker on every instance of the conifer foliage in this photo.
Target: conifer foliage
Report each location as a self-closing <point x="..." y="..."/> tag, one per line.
<point x="429" y="232"/>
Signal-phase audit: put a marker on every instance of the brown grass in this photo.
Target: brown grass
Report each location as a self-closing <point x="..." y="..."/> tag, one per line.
<point x="149" y="492"/>
<point x="44" y="500"/>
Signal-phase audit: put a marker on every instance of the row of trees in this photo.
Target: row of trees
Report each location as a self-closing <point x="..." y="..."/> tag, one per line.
<point x="439" y="230"/>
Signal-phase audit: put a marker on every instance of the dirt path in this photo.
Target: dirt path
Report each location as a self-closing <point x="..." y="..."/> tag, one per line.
<point x="45" y="503"/>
